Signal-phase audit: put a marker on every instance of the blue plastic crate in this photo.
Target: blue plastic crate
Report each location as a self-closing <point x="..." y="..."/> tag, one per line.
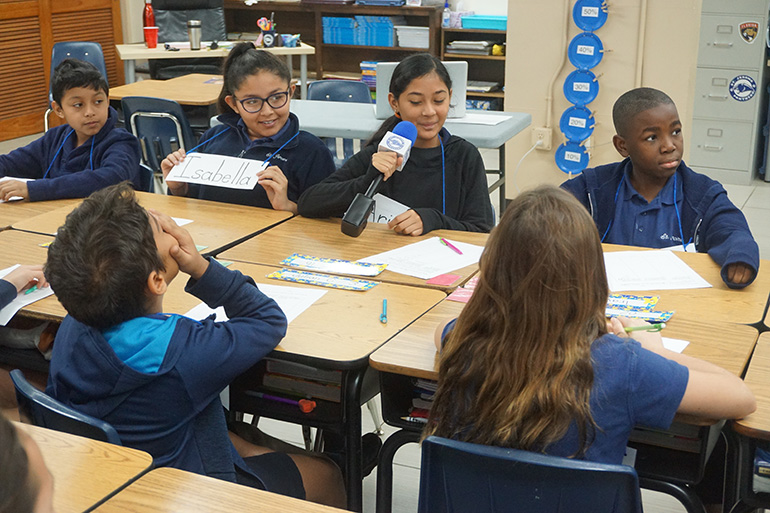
<point x="484" y="22"/>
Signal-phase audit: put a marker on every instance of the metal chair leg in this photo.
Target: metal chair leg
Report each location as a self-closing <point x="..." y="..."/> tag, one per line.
<point x="376" y="417"/>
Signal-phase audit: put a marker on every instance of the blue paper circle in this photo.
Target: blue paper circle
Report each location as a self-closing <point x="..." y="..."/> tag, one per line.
<point x="585" y="51"/>
<point x="577" y="123"/>
<point x="571" y="157"/>
<point x="589" y="14"/>
<point x="581" y="87"/>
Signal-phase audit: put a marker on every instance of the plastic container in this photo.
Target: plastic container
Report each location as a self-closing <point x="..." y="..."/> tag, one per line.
<point x="446" y="15"/>
<point x="148" y="14"/>
<point x="413" y="37"/>
<point x="484" y="22"/>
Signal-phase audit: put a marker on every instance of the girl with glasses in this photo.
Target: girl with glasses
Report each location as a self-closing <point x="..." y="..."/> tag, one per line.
<point x="257" y="124"/>
<point x="443" y="183"/>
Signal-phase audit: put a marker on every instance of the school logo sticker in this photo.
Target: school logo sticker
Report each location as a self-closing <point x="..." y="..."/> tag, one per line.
<point x="743" y="88"/>
<point x="749" y="31"/>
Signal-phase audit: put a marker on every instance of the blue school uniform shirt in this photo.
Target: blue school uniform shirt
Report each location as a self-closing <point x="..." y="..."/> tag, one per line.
<point x="304" y="160"/>
<point x="650" y="225"/>
<point x="632" y="386"/>
<point x="109" y="157"/>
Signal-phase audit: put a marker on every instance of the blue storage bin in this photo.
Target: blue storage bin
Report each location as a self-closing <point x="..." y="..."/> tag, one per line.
<point x="484" y="22"/>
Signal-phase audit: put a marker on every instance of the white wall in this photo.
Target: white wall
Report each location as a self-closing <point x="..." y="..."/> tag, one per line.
<point x="492" y="7"/>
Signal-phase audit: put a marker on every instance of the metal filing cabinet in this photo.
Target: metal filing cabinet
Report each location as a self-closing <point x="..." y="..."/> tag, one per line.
<point x="730" y="85"/>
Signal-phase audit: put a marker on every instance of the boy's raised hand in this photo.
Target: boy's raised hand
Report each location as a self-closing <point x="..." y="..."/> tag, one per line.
<point x="13" y="188"/>
<point x="739" y="273"/>
<point x="171" y="160"/>
<point x="26" y="276"/>
<point x="185" y="253"/>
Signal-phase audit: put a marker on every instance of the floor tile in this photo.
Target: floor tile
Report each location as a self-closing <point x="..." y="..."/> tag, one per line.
<point x="739" y="194"/>
<point x="760" y="197"/>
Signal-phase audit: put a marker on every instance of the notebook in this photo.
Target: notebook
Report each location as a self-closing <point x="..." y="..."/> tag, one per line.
<point x="458" y="72"/>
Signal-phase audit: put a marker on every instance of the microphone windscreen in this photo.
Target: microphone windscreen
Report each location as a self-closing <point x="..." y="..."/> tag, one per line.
<point x="407" y="130"/>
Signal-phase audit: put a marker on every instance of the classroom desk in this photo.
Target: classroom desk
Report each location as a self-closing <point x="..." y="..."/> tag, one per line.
<point x="85" y="471"/>
<point x="323" y="238"/>
<point x="129" y="53"/>
<point x="718" y="303"/>
<point x="194" y="89"/>
<point x="15" y="211"/>
<point x="357" y="121"/>
<point x="215" y="224"/>
<point x="745" y="435"/>
<point x="412" y="353"/>
<point x="170" y="490"/>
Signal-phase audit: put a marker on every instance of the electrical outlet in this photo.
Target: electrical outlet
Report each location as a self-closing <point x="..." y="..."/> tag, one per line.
<point x="543" y="135"/>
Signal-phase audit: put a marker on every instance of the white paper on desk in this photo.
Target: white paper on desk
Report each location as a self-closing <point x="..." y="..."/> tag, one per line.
<point x="650" y="270"/>
<point x="674" y="344"/>
<point x="15" y="198"/>
<point x="292" y="300"/>
<point x="180" y="221"/>
<point x="477" y="118"/>
<point x="385" y="209"/>
<point x="427" y="258"/>
<point x="22" y="299"/>
<point x="217" y="171"/>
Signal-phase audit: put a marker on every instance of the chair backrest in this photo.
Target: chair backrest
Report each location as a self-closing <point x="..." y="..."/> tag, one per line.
<point x="461" y="476"/>
<point x="160" y="125"/>
<point x="45" y="411"/>
<point x="146" y="178"/>
<point x="82" y="50"/>
<point x="339" y="91"/>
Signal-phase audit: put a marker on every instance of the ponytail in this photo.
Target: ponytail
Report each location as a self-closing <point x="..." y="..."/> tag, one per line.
<point x="243" y="61"/>
<point x="387" y="126"/>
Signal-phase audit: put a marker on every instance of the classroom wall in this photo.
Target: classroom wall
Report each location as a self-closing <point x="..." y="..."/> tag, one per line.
<point x="535" y="45"/>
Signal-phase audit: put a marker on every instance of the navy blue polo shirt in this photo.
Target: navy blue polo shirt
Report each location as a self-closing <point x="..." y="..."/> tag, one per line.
<point x="649" y="225"/>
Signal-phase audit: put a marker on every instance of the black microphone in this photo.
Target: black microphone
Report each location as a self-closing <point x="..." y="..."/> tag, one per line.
<point x="400" y="141"/>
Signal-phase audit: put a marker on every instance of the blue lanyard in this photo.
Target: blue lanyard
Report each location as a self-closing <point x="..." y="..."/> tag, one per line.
<point x="267" y="161"/>
<point x="207" y="140"/>
<point x="443" y="176"/>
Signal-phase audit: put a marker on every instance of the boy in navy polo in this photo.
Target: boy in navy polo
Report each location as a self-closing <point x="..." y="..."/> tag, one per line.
<point x="653" y="199"/>
<point x="83" y="156"/>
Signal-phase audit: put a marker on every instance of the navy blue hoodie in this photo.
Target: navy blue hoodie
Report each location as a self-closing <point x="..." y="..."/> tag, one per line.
<point x="709" y="218"/>
<point x="75" y="172"/>
<point x="174" y="412"/>
<point x="304" y="161"/>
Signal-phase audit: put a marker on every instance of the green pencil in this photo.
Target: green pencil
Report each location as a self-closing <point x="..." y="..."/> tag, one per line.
<point x="650" y="327"/>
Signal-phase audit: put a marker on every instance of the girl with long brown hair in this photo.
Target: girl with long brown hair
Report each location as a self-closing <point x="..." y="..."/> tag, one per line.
<point x="532" y="363"/>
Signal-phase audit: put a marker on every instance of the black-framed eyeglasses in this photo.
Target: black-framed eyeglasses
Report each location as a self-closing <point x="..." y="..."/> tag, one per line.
<point x="254" y="104"/>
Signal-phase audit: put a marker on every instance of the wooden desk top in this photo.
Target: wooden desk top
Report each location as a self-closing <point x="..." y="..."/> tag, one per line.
<point x="193" y="89"/>
<point x="413" y="353"/>
<point x="323" y="238"/>
<point x="16" y="211"/>
<point x="718" y="303"/>
<point x="140" y="51"/>
<point x="214" y="224"/>
<point x="757" y="425"/>
<point x="85" y="471"/>
<point x="169" y="490"/>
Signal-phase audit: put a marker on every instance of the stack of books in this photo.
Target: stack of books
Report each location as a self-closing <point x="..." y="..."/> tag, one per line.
<point x="369" y="73"/>
<point x="470" y="47"/>
<point x="413" y="37"/>
<point x="422" y="399"/>
<point x="302" y="381"/>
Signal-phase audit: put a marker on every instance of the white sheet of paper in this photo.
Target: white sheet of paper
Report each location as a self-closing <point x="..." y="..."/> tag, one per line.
<point x="217" y="171"/>
<point x="650" y="270"/>
<point x="292" y="300"/>
<point x="427" y="258"/>
<point x="674" y="344"/>
<point x="15" y="198"/>
<point x="22" y="299"/>
<point x="477" y="118"/>
<point x="385" y="209"/>
<point x="181" y="221"/>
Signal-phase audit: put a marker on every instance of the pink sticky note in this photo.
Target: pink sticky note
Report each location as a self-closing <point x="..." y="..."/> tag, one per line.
<point x="460" y="295"/>
<point x="443" y="279"/>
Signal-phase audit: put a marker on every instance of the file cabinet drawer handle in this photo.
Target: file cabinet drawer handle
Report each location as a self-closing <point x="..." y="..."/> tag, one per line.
<point x="719" y="97"/>
<point x="720" y="44"/>
<point x="711" y="147"/>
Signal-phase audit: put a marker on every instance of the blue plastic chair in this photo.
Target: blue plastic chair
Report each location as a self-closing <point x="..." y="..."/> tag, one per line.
<point x="339" y="91"/>
<point x="83" y="50"/>
<point x="42" y="410"/>
<point x="160" y="125"/>
<point x="461" y="476"/>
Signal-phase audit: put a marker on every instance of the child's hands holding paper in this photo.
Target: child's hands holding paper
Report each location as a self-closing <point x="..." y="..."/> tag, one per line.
<point x="171" y="160"/>
<point x="26" y="276"/>
<point x="13" y="189"/>
<point x="184" y="252"/>
<point x="276" y="186"/>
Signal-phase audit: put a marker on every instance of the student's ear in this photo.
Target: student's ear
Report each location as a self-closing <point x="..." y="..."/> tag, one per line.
<point x="57" y="109"/>
<point x="292" y="87"/>
<point x="393" y="103"/>
<point x="229" y="100"/>
<point x="156" y="284"/>
<point x="620" y="145"/>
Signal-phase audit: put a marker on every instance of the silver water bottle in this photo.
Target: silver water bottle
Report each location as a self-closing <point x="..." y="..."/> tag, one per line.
<point x="194" y="34"/>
